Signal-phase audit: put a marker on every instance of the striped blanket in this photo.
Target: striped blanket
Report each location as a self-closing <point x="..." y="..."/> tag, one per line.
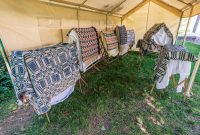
<point x="44" y="73"/>
<point x="87" y="43"/>
<point x="110" y="42"/>
<point x="148" y="44"/>
<point x="170" y="53"/>
<point x="122" y="39"/>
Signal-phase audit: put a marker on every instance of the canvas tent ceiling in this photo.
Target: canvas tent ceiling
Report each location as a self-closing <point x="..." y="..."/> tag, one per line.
<point x="122" y="7"/>
<point x="26" y="24"/>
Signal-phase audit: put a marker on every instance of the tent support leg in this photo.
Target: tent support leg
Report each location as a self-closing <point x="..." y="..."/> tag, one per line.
<point x="194" y="73"/>
<point x="185" y="87"/>
<point x="178" y="27"/>
<point x="185" y="35"/>
<point x="153" y="87"/>
<point x="174" y="80"/>
<point x="47" y="116"/>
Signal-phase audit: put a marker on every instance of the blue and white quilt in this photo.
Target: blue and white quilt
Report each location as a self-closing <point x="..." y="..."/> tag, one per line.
<point x="44" y="73"/>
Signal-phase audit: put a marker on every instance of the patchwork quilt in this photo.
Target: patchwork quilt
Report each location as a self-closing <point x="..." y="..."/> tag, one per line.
<point x="44" y="73"/>
<point x="147" y="44"/>
<point x="130" y="38"/>
<point x="122" y="39"/>
<point x="110" y="42"/>
<point x="87" y="42"/>
<point x="170" y="53"/>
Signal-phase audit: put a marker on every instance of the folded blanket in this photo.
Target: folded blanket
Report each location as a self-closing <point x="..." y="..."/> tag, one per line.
<point x="122" y="39"/>
<point x="110" y="42"/>
<point x="150" y="41"/>
<point x="170" y="53"/>
<point x="130" y="38"/>
<point x="44" y="73"/>
<point x="87" y="42"/>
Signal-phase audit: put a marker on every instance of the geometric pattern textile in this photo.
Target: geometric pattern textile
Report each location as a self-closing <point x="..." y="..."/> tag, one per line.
<point x="147" y="44"/>
<point x="87" y="42"/>
<point x="122" y="39"/>
<point x="131" y="38"/>
<point x="170" y="53"/>
<point x="44" y="73"/>
<point x="110" y="42"/>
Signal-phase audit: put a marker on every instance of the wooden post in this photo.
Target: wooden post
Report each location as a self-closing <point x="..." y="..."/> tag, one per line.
<point x="185" y="35"/>
<point x="77" y="13"/>
<point x="106" y="22"/>
<point x="194" y="73"/>
<point x="153" y="87"/>
<point x="178" y="27"/>
<point x="47" y="116"/>
<point x="147" y="21"/>
<point x="185" y="85"/>
<point x="174" y="81"/>
<point x="3" y="53"/>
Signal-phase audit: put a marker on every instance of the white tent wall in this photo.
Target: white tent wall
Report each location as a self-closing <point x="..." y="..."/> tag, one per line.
<point x="26" y="24"/>
<point x="156" y="14"/>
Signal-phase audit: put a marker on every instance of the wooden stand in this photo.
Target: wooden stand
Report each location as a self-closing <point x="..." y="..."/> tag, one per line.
<point x="174" y="83"/>
<point x="194" y="73"/>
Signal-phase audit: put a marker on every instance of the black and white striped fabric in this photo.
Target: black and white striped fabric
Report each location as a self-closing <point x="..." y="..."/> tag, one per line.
<point x="170" y="53"/>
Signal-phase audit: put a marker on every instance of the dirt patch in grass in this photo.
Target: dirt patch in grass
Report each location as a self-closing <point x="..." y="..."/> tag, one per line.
<point x="18" y="120"/>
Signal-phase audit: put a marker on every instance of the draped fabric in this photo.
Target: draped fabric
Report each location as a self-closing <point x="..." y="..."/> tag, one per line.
<point x="131" y="38"/>
<point x="110" y="42"/>
<point x="122" y="39"/>
<point x="43" y="73"/>
<point x="170" y="53"/>
<point x="158" y="35"/>
<point x="87" y="42"/>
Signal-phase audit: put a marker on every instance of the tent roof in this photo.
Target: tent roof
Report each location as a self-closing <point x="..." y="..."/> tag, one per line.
<point x="125" y="7"/>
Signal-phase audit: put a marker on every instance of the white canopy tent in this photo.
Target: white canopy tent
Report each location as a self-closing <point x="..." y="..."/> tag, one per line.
<point x="33" y="23"/>
<point x="27" y="24"/>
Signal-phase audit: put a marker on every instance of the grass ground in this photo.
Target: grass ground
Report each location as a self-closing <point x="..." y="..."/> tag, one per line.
<point x="117" y="101"/>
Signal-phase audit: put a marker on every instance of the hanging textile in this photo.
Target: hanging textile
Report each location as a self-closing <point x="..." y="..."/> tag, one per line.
<point x="87" y="42"/>
<point x="122" y="39"/>
<point x="157" y="36"/>
<point x="166" y="65"/>
<point x="44" y="73"/>
<point x="110" y="42"/>
<point x="130" y="38"/>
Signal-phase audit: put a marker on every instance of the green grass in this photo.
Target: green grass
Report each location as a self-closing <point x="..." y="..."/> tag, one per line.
<point x="115" y="102"/>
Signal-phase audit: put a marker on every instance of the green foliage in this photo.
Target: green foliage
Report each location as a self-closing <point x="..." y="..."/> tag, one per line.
<point x="5" y="82"/>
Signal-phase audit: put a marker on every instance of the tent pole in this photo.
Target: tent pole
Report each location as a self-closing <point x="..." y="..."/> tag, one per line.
<point x="77" y="14"/>
<point x="194" y="73"/>
<point x="178" y="27"/>
<point x="121" y="20"/>
<point x="188" y="22"/>
<point x="3" y="53"/>
<point x="106" y="22"/>
<point x="148" y="15"/>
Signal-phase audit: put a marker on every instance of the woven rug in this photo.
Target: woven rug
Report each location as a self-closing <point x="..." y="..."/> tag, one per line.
<point x="87" y="42"/>
<point x="131" y="38"/>
<point x="122" y="38"/>
<point x="110" y="42"/>
<point x="44" y="73"/>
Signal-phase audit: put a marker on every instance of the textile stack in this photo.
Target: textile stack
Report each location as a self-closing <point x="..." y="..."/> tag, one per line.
<point x="110" y="43"/>
<point x="45" y="76"/>
<point x="122" y="39"/>
<point x="87" y="43"/>
<point x="172" y="60"/>
<point x="156" y="37"/>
